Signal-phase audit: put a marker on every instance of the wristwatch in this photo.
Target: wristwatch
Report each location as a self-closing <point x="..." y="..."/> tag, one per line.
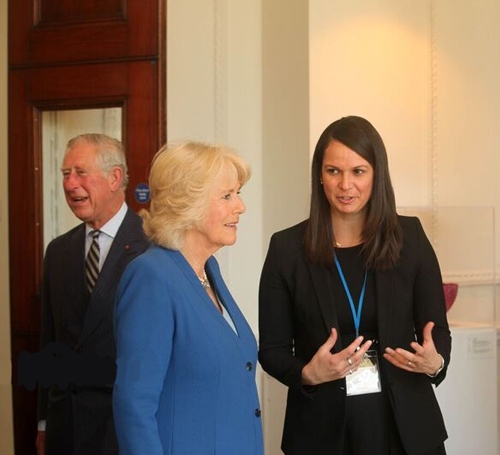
<point x="439" y="369"/>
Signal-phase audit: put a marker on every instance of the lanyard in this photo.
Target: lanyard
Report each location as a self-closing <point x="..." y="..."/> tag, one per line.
<point x="356" y="315"/>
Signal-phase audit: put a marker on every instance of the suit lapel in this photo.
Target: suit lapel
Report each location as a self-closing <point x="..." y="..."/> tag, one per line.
<point x="127" y="244"/>
<point x="384" y="288"/>
<point x="321" y="278"/>
<point x="322" y="281"/>
<point x="73" y="275"/>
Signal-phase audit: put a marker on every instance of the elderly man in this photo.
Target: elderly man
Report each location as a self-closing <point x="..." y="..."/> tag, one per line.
<point x="82" y="269"/>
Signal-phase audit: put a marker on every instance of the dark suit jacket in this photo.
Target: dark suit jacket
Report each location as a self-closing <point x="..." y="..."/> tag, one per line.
<point x="296" y="313"/>
<point x="79" y="417"/>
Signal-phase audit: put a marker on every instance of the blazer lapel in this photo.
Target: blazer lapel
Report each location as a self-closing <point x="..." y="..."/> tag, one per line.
<point x="243" y="339"/>
<point x="322" y="281"/>
<point x="321" y="278"/>
<point x="384" y="289"/>
<point x="228" y="302"/>
<point x="213" y="272"/>
<point x="208" y="308"/>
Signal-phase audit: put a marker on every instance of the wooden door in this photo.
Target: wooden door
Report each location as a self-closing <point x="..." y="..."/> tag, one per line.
<point x="71" y="55"/>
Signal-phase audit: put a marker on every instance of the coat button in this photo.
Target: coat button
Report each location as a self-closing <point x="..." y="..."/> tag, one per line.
<point x="249" y="366"/>
<point x="257" y="412"/>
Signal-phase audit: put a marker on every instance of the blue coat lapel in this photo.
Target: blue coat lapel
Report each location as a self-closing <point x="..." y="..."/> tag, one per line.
<point x="244" y="332"/>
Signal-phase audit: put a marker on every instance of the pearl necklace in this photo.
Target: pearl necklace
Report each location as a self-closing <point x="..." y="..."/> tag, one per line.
<point x="204" y="281"/>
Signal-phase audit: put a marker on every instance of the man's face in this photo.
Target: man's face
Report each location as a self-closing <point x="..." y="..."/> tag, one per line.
<point x="93" y="196"/>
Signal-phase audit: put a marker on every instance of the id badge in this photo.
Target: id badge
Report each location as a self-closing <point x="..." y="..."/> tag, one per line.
<point x="366" y="379"/>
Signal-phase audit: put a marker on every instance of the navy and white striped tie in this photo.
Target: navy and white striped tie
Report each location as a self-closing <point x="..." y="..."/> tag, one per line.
<point x="92" y="261"/>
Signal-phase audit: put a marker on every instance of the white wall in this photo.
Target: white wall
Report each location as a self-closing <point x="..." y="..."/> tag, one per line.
<point x="241" y="79"/>
<point x="286" y="182"/>
<point x="214" y="95"/>
<point x="372" y="58"/>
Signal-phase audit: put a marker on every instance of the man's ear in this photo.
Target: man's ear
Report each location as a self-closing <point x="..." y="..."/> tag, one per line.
<point x="115" y="178"/>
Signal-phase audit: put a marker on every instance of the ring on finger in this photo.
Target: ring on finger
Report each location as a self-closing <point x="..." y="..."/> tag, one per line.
<point x="349" y="361"/>
<point x="408" y="363"/>
<point x="350" y="371"/>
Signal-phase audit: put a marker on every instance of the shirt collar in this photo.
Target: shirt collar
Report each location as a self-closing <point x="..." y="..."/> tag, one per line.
<point x="112" y="226"/>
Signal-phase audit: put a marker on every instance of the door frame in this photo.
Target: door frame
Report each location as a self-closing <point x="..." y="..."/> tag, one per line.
<point x="62" y="66"/>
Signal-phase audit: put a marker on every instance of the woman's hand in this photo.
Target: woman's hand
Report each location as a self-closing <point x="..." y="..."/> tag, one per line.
<point x="425" y="359"/>
<point x="325" y="366"/>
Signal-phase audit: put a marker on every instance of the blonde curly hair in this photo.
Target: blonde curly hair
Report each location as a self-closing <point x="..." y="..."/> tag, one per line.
<point x="180" y="180"/>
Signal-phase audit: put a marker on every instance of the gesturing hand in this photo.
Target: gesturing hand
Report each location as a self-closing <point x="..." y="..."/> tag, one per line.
<point x="425" y="359"/>
<point x="325" y="366"/>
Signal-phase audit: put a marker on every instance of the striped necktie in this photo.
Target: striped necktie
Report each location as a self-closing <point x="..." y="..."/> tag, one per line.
<point x="92" y="261"/>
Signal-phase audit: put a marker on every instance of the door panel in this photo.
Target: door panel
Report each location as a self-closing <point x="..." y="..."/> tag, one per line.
<point x="56" y="12"/>
<point x="58" y="31"/>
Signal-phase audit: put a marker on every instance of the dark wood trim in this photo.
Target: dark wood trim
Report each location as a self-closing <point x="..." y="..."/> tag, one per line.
<point x="112" y="59"/>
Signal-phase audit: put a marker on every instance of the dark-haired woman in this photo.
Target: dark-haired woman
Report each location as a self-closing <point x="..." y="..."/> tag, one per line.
<point x="351" y="311"/>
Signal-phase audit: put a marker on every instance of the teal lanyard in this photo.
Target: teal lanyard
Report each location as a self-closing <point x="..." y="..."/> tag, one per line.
<point x="356" y="315"/>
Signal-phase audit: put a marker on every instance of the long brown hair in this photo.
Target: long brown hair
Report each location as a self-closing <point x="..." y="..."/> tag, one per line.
<point x="381" y="233"/>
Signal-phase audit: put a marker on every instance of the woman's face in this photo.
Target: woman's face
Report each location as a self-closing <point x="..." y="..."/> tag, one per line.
<point x="225" y="207"/>
<point x="347" y="179"/>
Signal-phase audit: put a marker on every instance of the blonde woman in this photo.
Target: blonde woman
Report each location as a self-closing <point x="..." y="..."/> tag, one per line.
<point x="186" y="356"/>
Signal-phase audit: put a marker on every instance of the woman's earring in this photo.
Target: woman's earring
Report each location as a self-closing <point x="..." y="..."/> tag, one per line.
<point x="321" y="181"/>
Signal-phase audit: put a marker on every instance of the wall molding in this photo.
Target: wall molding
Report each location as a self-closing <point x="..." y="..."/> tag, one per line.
<point x="472" y="278"/>
<point x="433" y="107"/>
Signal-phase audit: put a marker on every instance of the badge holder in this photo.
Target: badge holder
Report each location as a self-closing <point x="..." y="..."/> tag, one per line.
<point x="366" y="379"/>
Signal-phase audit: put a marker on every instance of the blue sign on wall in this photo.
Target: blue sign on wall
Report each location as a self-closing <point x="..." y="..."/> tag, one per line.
<point x="142" y="193"/>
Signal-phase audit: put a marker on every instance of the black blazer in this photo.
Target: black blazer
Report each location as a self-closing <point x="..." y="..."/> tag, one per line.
<point x="79" y="419"/>
<point x="296" y="313"/>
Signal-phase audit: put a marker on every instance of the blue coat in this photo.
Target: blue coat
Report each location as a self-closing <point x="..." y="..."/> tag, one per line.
<point x="185" y="380"/>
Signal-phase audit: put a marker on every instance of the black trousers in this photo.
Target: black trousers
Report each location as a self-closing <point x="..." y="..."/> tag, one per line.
<point x="371" y="429"/>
